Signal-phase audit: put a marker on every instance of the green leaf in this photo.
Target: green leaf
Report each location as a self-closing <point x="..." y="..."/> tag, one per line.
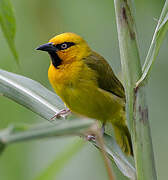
<point x="117" y="156"/>
<point x="63" y="128"/>
<point x="61" y="160"/>
<point x="158" y="37"/>
<point x="30" y="94"/>
<point x="8" y="24"/>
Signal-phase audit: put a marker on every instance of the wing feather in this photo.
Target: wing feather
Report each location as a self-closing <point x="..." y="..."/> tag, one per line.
<point x="106" y="77"/>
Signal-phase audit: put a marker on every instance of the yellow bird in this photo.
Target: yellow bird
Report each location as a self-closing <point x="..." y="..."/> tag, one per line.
<point x="86" y="83"/>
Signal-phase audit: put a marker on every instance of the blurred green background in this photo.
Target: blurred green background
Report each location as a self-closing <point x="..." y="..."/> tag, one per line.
<point x="39" y="20"/>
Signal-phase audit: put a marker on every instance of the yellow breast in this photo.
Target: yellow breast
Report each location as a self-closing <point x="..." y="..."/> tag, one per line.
<point x="70" y="76"/>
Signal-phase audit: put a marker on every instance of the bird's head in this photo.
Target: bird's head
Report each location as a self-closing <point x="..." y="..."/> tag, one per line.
<point x="66" y="48"/>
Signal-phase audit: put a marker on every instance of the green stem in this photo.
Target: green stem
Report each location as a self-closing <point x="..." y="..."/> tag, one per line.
<point x="75" y="127"/>
<point x="144" y="156"/>
<point x="136" y="107"/>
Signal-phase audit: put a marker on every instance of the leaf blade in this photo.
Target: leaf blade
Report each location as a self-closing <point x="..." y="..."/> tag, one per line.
<point x="116" y="155"/>
<point x="63" y="128"/>
<point x="158" y="37"/>
<point x="8" y="25"/>
<point x="30" y="94"/>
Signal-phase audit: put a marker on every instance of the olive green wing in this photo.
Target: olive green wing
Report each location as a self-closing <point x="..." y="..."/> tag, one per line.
<point x="106" y="77"/>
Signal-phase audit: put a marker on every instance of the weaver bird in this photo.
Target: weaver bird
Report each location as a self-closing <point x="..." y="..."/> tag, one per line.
<point x="87" y="84"/>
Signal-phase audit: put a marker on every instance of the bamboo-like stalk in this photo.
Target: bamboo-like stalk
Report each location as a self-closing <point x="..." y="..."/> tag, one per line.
<point x="137" y="111"/>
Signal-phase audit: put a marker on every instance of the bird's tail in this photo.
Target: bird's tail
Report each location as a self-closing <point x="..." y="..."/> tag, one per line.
<point x="123" y="138"/>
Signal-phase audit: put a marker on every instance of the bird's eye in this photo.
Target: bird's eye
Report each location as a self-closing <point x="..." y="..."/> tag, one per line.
<point x="64" y="46"/>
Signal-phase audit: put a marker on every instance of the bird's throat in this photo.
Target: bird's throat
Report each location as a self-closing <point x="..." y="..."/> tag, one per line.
<point x="56" y="61"/>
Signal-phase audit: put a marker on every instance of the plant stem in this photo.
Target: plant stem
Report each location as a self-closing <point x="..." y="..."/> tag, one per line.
<point x="75" y="127"/>
<point x="137" y="112"/>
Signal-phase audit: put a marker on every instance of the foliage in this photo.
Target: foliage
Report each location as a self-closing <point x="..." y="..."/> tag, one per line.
<point x="8" y="24"/>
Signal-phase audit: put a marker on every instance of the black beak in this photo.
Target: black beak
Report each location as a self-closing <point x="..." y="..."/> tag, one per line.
<point x="49" y="47"/>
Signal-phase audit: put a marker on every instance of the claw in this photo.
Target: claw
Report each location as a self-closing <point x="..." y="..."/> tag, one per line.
<point x="90" y="137"/>
<point x="61" y="113"/>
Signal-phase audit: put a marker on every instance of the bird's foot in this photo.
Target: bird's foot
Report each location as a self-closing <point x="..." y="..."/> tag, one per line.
<point x="62" y="113"/>
<point x="90" y="137"/>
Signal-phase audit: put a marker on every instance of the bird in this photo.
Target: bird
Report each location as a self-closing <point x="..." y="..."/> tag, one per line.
<point x="87" y="85"/>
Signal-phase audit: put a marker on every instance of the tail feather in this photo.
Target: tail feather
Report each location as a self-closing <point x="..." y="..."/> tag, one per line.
<point x="123" y="138"/>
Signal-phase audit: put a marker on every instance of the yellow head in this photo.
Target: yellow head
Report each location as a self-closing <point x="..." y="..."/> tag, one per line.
<point x="66" y="48"/>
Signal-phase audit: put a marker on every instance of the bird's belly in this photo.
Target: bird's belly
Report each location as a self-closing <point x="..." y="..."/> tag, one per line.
<point x="92" y="102"/>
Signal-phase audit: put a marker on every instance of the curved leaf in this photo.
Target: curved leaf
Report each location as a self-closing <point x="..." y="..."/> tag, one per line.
<point x="30" y="94"/>
<point x="8" y="25"/>
<point x="63" y="128"/>
<point x="158" y="37"/>
<point x="116" y="155"/>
